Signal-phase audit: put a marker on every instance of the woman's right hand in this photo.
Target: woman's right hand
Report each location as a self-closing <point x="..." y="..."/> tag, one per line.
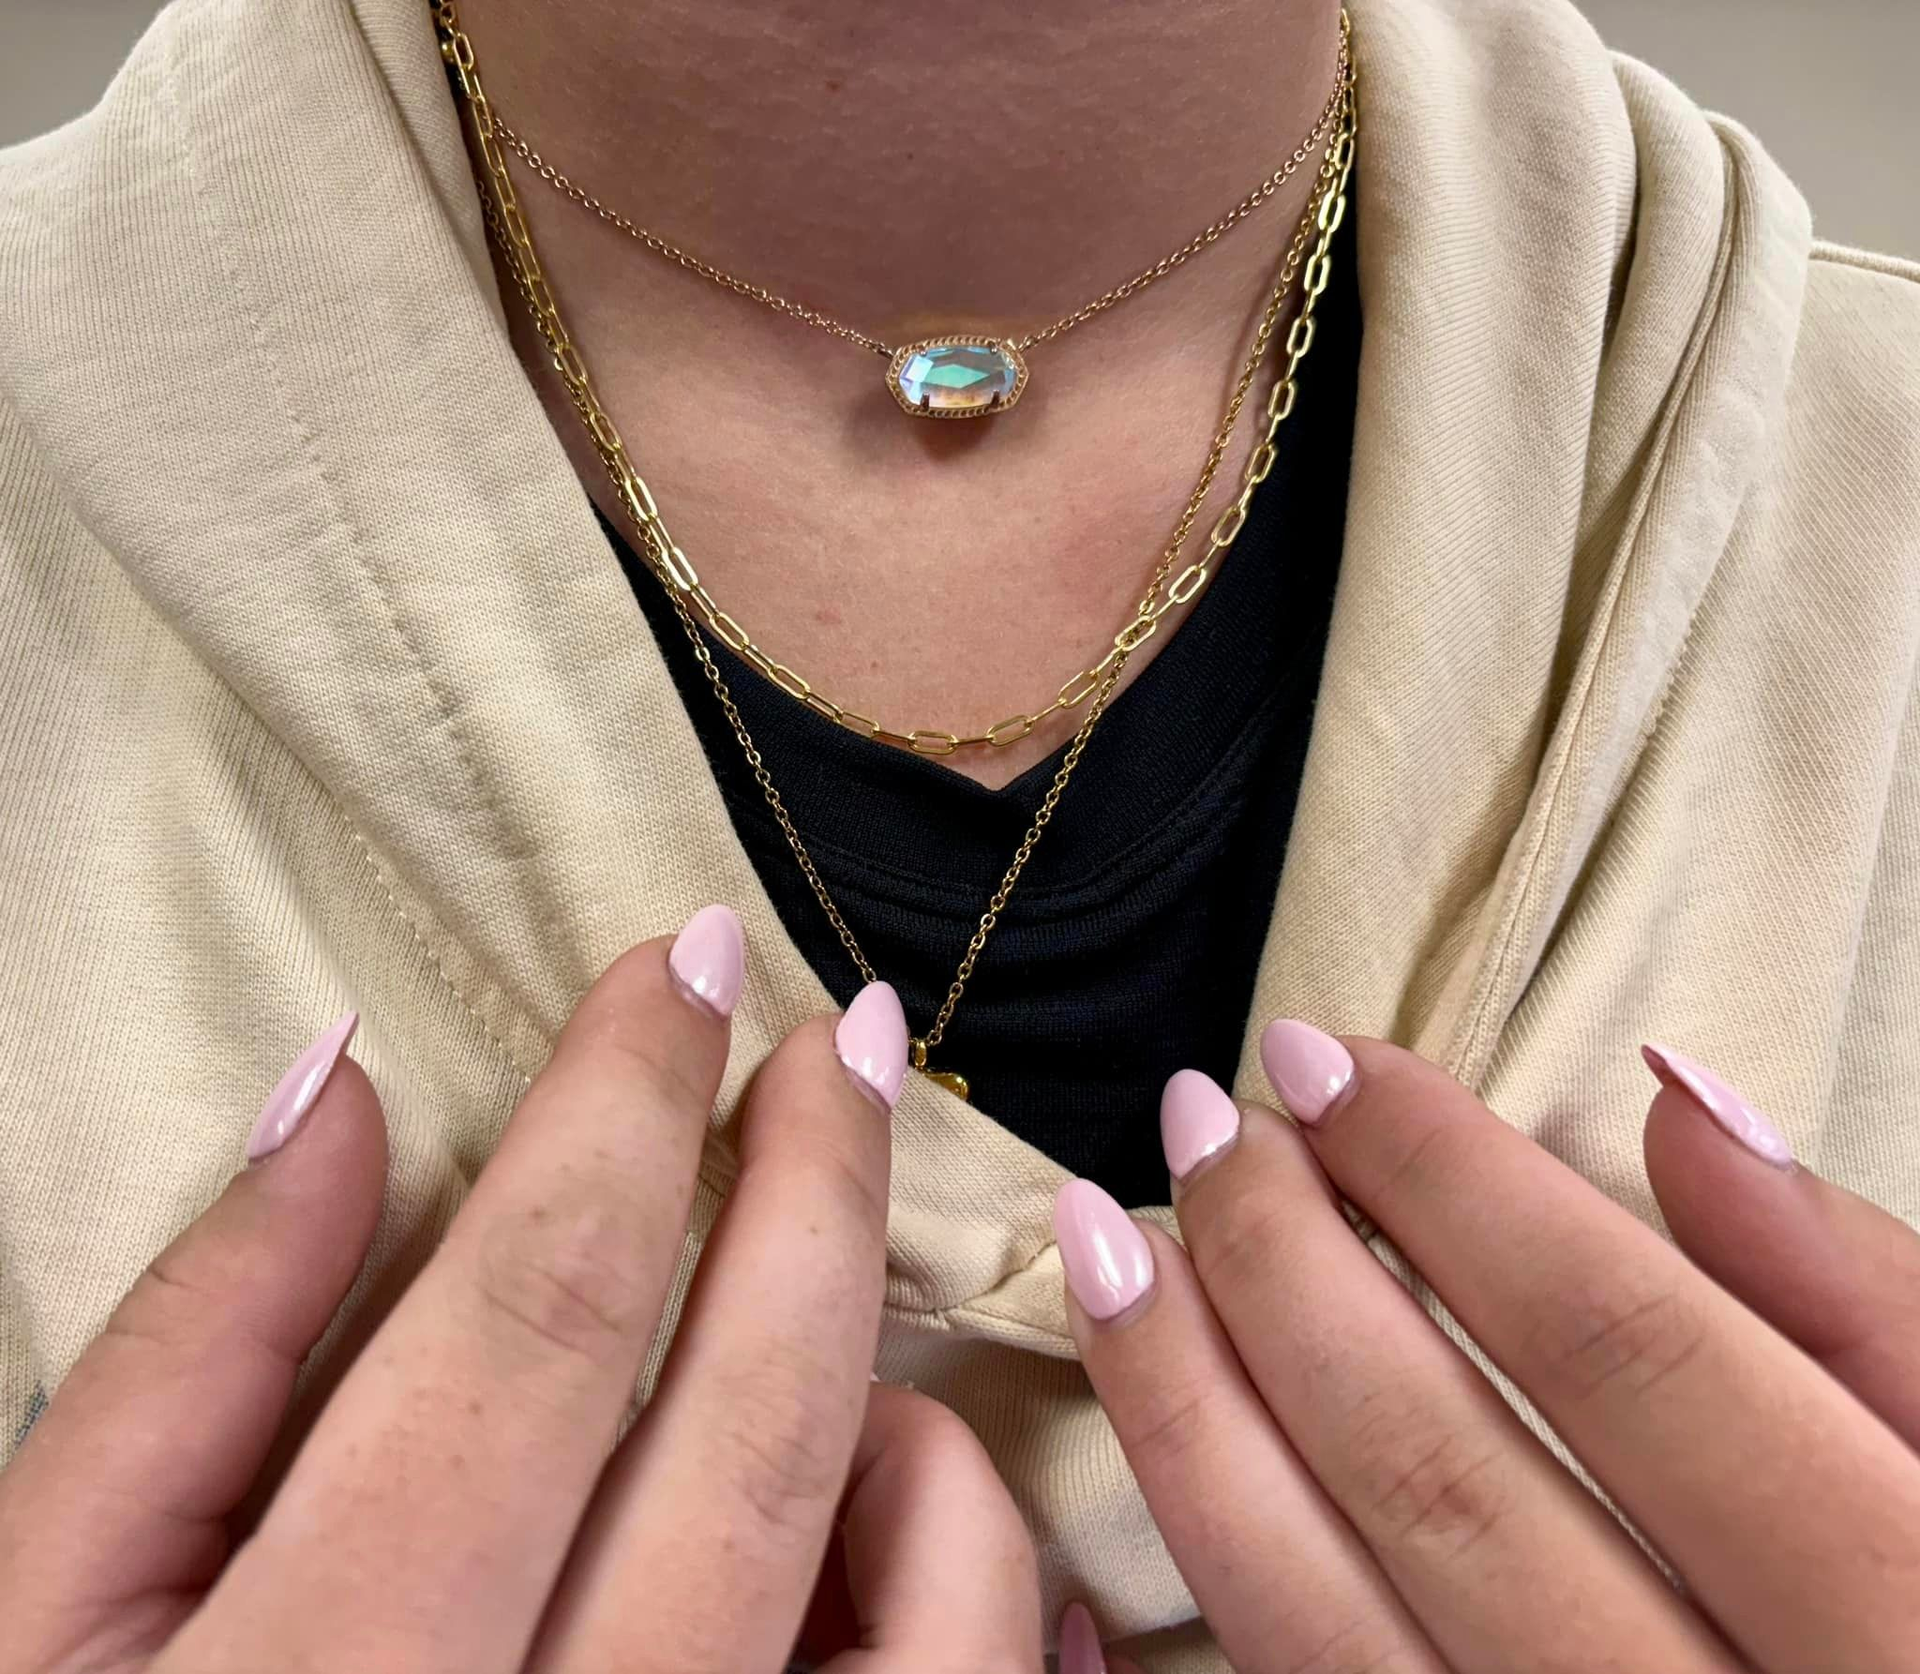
<point x="455" y="1505"/>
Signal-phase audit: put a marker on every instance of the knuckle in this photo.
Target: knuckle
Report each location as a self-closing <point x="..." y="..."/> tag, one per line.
<point x="170" y="1285"/>
<point x="566" y="1276"/>
<point x="170" y="1305"/>
<point x="656" y="1063"/>
<point x="1236" y="1239"/>
<point x="1412" y="1175"/>
<point x="1168" y="1426"/>
<point x="936" y="1431"/>
<point x="1439" y="1491"/>
<point x="783" y="1446"/>
<point x="1627" y="1338"/>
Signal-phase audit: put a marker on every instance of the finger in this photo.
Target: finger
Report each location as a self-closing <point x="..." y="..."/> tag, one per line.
<point x="1491" y="1543"/>
<point x="938" y="1564"/>
<point x="1789" y="1509"/>
<point x="445" y="1479"/>
<point x="112" y="1517"/>
<point x="1277" y="1571"/>
<point x="1080" y="1649"/>
<point x="1836" y="1274"/>
<point x="713" y="1519"/>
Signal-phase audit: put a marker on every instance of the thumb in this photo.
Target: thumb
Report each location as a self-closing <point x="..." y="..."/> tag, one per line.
<point x="940" y="1571"/>
<point x="1829" y="1270"/>
<point x="1080" y="1649"/>
<point x="112" y="1514"/>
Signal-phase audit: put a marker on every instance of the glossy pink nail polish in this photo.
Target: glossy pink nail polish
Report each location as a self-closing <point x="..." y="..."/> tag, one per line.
<point x="1309" y="1069"/>
<point x="1080" y="1651"/>
<point x="708" y="959"/>
<point x="1108" y="1260"/>
<point x="1728" y="1109"/>
<point x="287" y="1105"/>
<point x="1197" y="1119"/>
<point x="871" y="1039"/>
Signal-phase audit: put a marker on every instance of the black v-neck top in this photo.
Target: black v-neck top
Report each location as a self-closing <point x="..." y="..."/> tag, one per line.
<point x="1129" y="948"/>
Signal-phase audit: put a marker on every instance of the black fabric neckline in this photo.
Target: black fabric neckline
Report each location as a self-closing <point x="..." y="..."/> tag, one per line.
<point x="1186" y="707"/>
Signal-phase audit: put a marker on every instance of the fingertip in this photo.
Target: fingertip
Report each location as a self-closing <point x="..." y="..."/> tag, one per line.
<point x="345" y="1135"/>
<point x="686" y="984"/>
<point x="1108" y="1261"/>
<point x="804" y="1095"/>
<point x="296" y="1092"/>
<point x="1826" y="1268"/>
<point x="708" y="960"/>
<point x="307" y="1210"/>
<point x="1080" y="1649"/>
<point x="1712" y="1098"/>
<point x="159" y="1431"/>
<point x="938" y="1557"/>
<point x="1714" y="1196"/>
<point x="1198" y="1121"/>
<point x="872" y="1042"/>
<point x="1310" y="1069"/>
<point x="1730" y="1204"/>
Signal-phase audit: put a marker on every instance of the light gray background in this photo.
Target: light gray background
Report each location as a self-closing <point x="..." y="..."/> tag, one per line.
<point x="1832" y="87"/>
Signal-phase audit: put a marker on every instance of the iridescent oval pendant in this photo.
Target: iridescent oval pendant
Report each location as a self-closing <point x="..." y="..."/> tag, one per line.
<point x="957" y="377"/>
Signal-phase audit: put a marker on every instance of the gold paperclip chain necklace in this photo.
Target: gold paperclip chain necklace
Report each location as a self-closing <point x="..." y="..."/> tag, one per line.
<point x="1325" y="212"/>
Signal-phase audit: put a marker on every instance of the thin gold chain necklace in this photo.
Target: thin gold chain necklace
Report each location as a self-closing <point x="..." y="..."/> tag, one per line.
<point x="1325" y="213"/>
<point x="957" y="375"/>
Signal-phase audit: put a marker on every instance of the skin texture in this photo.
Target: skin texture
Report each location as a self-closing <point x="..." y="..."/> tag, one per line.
<point x="937" y="575"/>
<point x="461" y="1485"/>
<point x="1343" y="1488"/>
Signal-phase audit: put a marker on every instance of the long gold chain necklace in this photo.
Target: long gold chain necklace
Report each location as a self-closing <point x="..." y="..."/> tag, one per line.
<point x="1326" y="211"/>
<point x="959" y="375"/>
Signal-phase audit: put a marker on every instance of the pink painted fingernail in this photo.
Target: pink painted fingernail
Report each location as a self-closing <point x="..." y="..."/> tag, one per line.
<point x="1727" y="1108"/>
<point x="1108" y="1260"/>
<point x="1080" y="1651"/>
<point x="872" y="1042"/>
<point x="1196" y="1120"/>
<point x="708" y="959"/>
<point x="287" y="1105"/>
<point x="1309" y="1069"/>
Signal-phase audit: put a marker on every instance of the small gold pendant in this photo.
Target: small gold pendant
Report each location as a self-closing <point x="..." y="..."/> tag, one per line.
<point x="957" y="377"/>
<point x="954" y="1082"/>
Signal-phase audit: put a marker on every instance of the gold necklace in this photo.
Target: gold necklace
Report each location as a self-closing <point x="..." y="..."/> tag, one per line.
<point x="1326" y="211"/>
<point x="1162" y="596"/>
<point x="960" y="375"/>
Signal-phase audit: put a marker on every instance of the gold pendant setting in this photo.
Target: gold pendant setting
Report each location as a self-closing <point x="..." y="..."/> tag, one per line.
<point x="957" y="377"/>
<point x="954" y="1082"/>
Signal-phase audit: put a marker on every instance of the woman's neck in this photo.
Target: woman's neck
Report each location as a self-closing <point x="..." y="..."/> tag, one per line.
<point x="912" y="169"/>
<point x="918" y="166"/>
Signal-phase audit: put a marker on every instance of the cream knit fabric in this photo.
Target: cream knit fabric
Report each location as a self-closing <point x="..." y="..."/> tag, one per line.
<point x="321" y="687"/>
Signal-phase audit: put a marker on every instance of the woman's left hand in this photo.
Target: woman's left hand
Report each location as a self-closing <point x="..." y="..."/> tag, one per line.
<point x="1342" y="1488"/>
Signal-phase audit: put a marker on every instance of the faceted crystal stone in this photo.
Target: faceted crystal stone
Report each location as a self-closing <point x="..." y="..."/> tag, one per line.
<point x="958" y="377"/>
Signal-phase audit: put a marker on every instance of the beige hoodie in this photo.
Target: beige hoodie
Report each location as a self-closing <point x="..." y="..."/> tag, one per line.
<point x="321" y="687"/>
